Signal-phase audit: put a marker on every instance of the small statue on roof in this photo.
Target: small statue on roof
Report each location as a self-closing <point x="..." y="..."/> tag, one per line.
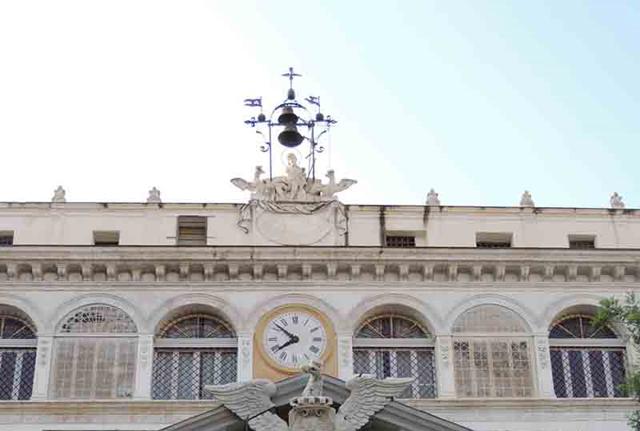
<point x="432" y="199"/>
<point x="526" y="200"/>
<point x="59" y="195"/>
<point x="616" y="201"/>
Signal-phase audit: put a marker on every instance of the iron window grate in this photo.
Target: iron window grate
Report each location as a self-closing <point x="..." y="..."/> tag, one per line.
<point x="401" y="241"/>
<point x="17" y="367"/>
<point x="181" y="374"/>
<point x="398" y="362"/>
<point x="588" y="373"/>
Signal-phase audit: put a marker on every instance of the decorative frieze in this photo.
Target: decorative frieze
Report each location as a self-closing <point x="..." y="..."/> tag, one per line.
<point x="166" y="264"/>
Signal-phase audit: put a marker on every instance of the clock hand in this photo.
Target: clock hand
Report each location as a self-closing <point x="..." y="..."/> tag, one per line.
<point x="293" y="340"/>
<point x="289" y="334"/>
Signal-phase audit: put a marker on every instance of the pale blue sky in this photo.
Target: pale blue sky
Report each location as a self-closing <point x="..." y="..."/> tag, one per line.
<point x="478" y="99"/>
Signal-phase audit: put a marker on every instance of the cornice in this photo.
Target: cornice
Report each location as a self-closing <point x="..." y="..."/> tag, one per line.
<point x="170" y="264"/>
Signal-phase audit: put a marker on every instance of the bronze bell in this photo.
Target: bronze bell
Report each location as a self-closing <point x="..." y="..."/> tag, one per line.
<point x="287" y="116"/>
<point x="290" y="137"/>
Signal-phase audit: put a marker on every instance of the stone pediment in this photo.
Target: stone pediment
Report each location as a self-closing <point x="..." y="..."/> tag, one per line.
<point x="395" y="416"/>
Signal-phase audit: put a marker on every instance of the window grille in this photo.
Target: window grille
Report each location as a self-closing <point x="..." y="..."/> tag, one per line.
<point x="95" y="355"/>
<point x="106" y="237"/>
<point x="586" y="361"/>
<point x="191" y="352"/>
<point x="6" y="238"/>
<point x="17" y="358"/>
<point x="401" y="241"/>
<point x="99" y="318"/>
<point x="192" y="230"/>
<point x="394" y="346"/>
<point x="491" y="357"/>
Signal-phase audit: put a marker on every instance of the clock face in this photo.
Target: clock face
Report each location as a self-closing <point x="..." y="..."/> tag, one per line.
<point x="293" y="338"/>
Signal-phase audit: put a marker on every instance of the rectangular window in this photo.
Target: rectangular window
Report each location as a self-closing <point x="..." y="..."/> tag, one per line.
<point x="401" y="241"/>
<point x="582" y="242"/>
<point x="400" y="362"/>
<point x="6" y="238"/>
<point x="93" y="368"/>
<point x="499" y="368"/>
<point x="494" y="239"/>
<point x="106" y="237"/>
<point x="16" y="373"/>
<point x="192" y="230"/>
<point x="181" y="374"/>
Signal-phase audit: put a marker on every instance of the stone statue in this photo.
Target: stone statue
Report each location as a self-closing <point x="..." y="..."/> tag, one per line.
<point x="154" y="196"/>
<point x="311" y="411"/>
<point x="432" y="199"/>
<point x="616" y="201"/>
<point x="294" y="186"/>
<point x="526" y="200"/>
<point x="59" y="195"/>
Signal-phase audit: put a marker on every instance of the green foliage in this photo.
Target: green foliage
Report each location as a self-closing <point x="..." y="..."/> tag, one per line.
<point x="626" y="313"/>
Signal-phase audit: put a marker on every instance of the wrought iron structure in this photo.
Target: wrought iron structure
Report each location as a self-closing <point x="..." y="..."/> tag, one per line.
<point x="396" y="346"/>
<point x="292" y="116"/>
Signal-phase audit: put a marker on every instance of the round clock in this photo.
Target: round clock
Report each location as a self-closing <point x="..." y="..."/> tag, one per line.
<point x="293" y="336"/>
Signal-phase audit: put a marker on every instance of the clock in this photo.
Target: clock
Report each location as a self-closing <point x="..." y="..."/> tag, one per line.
<point x="291" y="336"/>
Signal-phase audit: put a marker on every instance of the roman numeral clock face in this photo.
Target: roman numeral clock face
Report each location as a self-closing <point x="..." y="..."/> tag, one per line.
<point x="292" y="339"/>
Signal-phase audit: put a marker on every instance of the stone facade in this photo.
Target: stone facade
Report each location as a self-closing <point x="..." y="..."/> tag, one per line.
<point x="334" y="259"/>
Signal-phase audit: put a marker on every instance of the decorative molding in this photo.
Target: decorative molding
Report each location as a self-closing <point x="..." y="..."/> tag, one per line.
<point x="204" y="264"/>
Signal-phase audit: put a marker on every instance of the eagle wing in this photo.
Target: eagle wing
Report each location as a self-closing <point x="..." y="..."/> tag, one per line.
<point x="241" y="184"/>
<point x="368" y="396"/>
<point x="250" y="401"/>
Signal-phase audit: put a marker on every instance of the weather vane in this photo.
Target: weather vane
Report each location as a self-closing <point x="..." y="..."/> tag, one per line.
<point x="292" y="116"/>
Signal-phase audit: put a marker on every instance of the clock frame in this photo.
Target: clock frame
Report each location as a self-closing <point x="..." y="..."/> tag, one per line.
<point x="267" y="367"/>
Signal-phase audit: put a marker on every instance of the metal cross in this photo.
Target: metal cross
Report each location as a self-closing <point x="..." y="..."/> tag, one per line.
<point x="291" y="74"/>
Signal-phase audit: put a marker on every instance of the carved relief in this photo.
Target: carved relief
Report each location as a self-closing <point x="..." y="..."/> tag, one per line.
<point x="542" y="348"/>
<point x="445" y="354"/>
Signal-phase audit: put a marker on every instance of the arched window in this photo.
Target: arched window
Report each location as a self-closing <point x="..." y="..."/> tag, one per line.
<point x="17" y="354"/>
<point x="586" y="362"/>
<point x="396" y="346"/>
<point x="492" y="356"/>
<point x="190" y="352"/>
<point x="95" y="354"/>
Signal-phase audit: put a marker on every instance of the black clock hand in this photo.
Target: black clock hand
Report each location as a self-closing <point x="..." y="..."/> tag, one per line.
<point x="293" y="340"/>
<point x="289" y="334"/>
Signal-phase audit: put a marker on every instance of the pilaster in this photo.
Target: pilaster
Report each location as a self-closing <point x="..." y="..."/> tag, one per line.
<point x="345" y="356"/>
<point x="543" y="366"/>
<point x="42" y="374"/>
<point x="444" y="367"/>
<point x="245" y="357"/>
<point x="142" y="390"/>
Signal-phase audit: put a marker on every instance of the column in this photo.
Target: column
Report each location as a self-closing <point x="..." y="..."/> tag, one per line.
<point x="142" y="390"/>
<point x="542" y="366"/>
<point x="41" y="375"/>
<point x="245" y="357"/>
<point x="444" y="367"/>
<point x="345" y="356"/>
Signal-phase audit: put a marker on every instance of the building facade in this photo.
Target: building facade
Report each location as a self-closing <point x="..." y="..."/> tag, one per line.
<point x="115" y="315"/>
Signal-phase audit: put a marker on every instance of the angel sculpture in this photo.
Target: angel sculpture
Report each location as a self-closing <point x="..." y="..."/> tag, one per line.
<point x="251" y="401"/>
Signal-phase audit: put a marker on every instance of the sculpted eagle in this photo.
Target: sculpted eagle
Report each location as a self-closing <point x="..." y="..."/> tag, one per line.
<point x="251" y="401"/>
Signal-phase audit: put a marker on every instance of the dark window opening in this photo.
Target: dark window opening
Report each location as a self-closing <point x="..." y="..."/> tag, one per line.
<point x="192" y="230"/>
<point x="401" y="241"/>
<point x="106" y="237"/>
<point x="6" y="238"/>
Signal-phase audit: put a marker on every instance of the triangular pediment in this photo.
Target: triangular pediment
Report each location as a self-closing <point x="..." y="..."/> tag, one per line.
<point x="395" y="416"/>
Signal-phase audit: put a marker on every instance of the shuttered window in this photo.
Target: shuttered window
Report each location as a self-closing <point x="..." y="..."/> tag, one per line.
<point x="106" y="237"/>
<point x="192" y="230"/>
<point x="95" y="355"/>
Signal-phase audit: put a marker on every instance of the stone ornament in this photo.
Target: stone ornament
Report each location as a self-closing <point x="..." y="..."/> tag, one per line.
<point x="526" y="200"/>
<point x="432" y="199"/>
<point x="311" y="411"/>
<point x="616" y="201"/>
<point x="154" y="196"/>
<point x="294" y="187"/>
<point x="59" y="196"/>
